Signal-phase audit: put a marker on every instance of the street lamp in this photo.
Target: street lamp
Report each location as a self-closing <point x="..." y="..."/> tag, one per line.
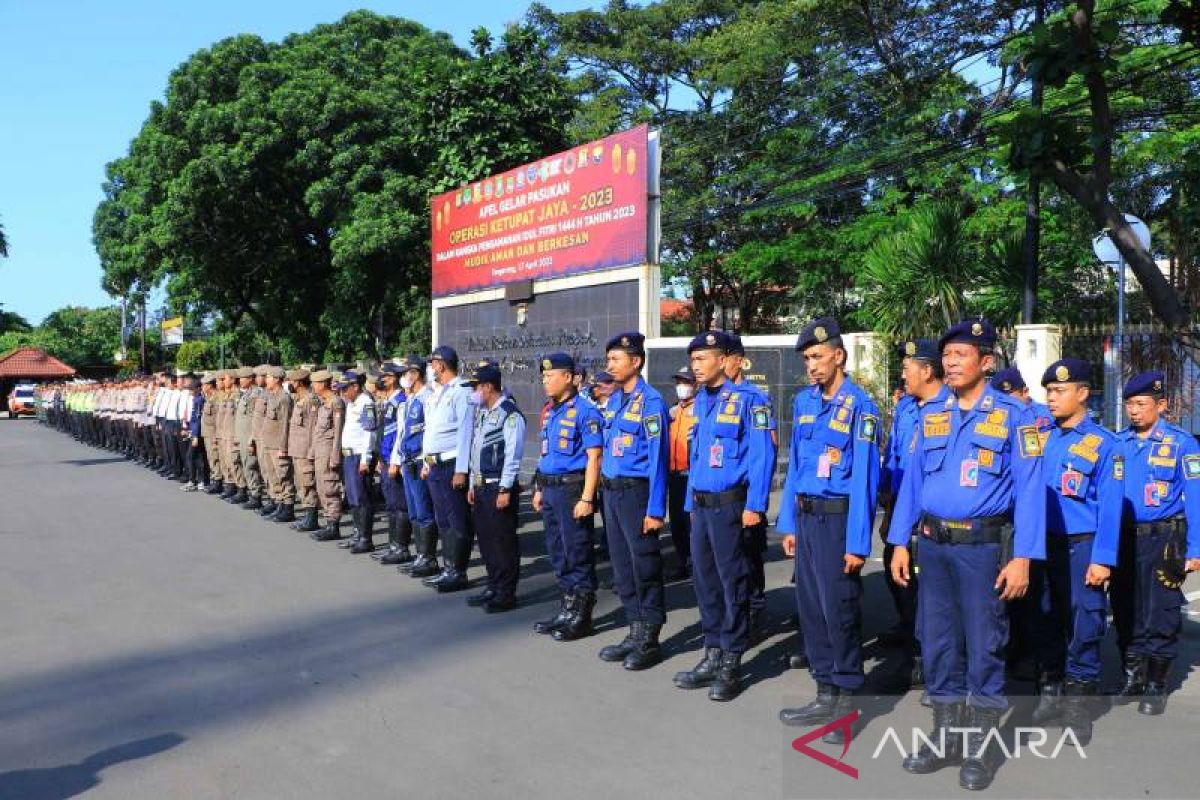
<point x="1106" y="250"/>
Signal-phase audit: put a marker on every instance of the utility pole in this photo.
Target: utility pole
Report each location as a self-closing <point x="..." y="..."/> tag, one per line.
<point x="1033" y="205"/>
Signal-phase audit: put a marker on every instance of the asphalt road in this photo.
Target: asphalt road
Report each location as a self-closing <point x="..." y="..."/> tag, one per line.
<point x="158" y="644"/>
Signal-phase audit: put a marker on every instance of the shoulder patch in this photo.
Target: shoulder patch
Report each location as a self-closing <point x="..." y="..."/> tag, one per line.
<point x="1031" y="441"/>
<point x="761" y="417"/>
<point x="1191" y="467"/>
<point x="511" y="421"/>
<point x="866" y="427"/>
<point x="653" y="425"/>
<point x="593" y="426"/>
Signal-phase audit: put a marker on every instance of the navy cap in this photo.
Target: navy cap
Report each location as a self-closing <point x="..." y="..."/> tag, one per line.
<point x="820" y="331"/>
<point x="921" y="349"/>
<point x="603" y="376"/>
<point x="631" y="342"/>
<point x="557" y="361"/>
<point x="1009" y="380"/>
<point x="685" y="373"/>
<point x="709" y="340"/>
<point x="445" y="353"/>
<point x="1153" y="383"/>
<point x="487" y="373"/>
<point x="391" y="368"/>
<point x="413" y="362"/>
<point x="978" y="332"/>
<point x="351" y="376"/>
<point x="1068" y="370"/>
<point x="735" y="346"/>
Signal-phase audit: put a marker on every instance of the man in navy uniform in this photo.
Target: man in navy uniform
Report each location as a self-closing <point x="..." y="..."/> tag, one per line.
<point x="924" y="384"/>
<point x="729" y="483"/>
<point x="391" y="482"/>
<point x="1161" y="541"/>
<point x="567" y="482"/>
<point x="1084" y="476"/>
<point x="974" y="485"/>
<point x="1009" y="381"/>
<point x="828" y="506"/>
<point x="634" y="470"/>
<point x="405" y="460"/>
<point x="358" y="453"/>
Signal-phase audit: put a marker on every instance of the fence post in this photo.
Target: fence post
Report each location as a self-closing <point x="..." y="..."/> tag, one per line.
<point x="1038" y="346"/>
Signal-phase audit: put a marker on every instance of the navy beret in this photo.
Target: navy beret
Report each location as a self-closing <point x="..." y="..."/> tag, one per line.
<point x="557" y="361"/>
<point x="685" y="373"/>
<point x="1008" y="380"/>
<point x="445" y="353"/>
<point x="735" y="347"/>
<point x="631" y="342"/>
<point x="488" y="373"/>
<point x="819" y="331"/>
<point x="921" y="349"/>
<point x="709" y="340"/>
<point x="1153" y="383"/>
<point x="1068" y="370"/>
<point x="978" y="332"/>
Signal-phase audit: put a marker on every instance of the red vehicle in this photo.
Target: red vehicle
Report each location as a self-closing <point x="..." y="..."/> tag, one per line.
<point x="22" y="401"/>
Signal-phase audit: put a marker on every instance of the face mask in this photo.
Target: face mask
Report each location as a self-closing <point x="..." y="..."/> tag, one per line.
<point x="430" y="377"/>
<point x="477" y="397"/>
<point x="684" y="390"/>
<point x="406" y="381"/>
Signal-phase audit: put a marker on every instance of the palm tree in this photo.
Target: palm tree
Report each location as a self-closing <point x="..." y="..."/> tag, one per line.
<point x="916" y="279"/>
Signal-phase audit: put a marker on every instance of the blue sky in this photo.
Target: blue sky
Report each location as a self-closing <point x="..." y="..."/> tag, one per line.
<point x="76" y="81"/>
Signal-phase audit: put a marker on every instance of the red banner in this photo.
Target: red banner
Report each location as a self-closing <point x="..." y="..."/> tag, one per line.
<point x="582" y="210"/>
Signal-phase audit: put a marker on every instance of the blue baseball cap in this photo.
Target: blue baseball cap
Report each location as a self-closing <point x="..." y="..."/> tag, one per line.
<point x="445" y="353"/>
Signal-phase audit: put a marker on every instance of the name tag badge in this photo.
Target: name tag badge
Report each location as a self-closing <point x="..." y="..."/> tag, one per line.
<point x="1152" y="496"/>
<point x="824" y="468"/>
<point x="1071" y="481"/>
<point x="618" y="446"/>
<point x="716" y="456"/>
<point x="968" y="474"/>
<point x="545" y="447"/>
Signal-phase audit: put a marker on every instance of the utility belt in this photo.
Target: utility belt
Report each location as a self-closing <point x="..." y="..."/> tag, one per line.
<point x="1168" y="526"/>
<point x="807" y="504"/>
<point x="434" y="459"/>
<point x="613" y="484"/>
<point x="480" y="480"/>
<point x="565" y="479"/>
<point x="982" y="530"/>
<point x="717" y="499"/>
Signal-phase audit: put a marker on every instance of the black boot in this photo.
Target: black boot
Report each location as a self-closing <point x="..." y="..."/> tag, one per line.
<point x="331" y="532"/>
<point x="979" y="761"/>
<point x="927" y="759"/>
<point x="284" y="513"/>
<point x="758" y="626"/>
<point x="578" y="623"/>
<point x="449" y="549"/>
<point x="216" y="487"/>
<point x="481" y="599"/>
<point x="252" y="503"/>
<point x="704" y="673"/>
<point x="818" y="712"/>
<point x="728" y="682"/>
<point x="1050" y="701"/>
<point x="1134" y="685"/>
<point x="308" y="523"/>
<point x="238" y="497"/>
<point x="268" y="509"/>
<point x="916" y="676"/>
<point x="452" y="580"/>
<point x="842" y="706"/>
<point x="1155" y="701"/>
<point x="566" y="605"/>
<point x="646" y="652"/>
<point x="426" y="563"/>
<point x="1077" y="710"/>
<point x="617" y="652"/>
<point x="366" y="541"/>
<point x="399" y="538"/>
<point x="356" y="522"/>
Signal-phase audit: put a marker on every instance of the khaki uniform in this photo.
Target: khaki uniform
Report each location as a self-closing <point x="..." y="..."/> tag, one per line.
<point x="244" y="428"/>
<point x="208" y="432"/>
<point x="231" y="457"/>
<point x="273" y="436"/>
<point x="300" y="449"/>
<point x="327" y="455"/>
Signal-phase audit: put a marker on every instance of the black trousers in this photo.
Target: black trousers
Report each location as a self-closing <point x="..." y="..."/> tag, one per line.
<point x="197" y="461"/>
<point x="681" y="521"/>
<point x="497" y="533"/>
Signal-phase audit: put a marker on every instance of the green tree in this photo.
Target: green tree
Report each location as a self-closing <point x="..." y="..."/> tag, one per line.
<point x="3" y="242"/>
<point x="284" y="187"/>
<point x="193" y="355"/>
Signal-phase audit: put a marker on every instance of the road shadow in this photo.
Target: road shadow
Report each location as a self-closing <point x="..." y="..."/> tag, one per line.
<point x="69" y="780"/>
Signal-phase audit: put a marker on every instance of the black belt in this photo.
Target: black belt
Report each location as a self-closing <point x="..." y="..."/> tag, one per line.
<point x="623" y="483"/>
<point x="983" y="530"/>
<point x="808" y="504"/>
<point x="683" y="473"/>
<point x="434" y="459"/>
<point x="566" y="479"/>
<point x="1170" y="525"/>
<point x="717" y="499"/>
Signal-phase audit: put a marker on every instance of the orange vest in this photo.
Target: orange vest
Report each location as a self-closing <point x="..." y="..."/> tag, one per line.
<point x="681" y="428"/>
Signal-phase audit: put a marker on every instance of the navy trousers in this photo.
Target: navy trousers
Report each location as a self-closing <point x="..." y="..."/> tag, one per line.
<point x="497" y="532"/>
<point x="358" y="487"/>
<point x="453" y="516"/>
<point x="829" y="601"/>
<point x="1069" y="618"/>
<point x="393" y="492"/>
<point x="1147" y="615"/>
<point x="569" y="540"/>
<point x="636" y="557"/>
<point x="721" y="574"/>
